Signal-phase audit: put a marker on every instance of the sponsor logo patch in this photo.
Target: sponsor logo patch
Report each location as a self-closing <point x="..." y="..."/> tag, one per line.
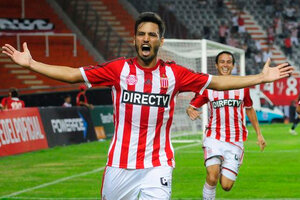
<point x="148" y="99"/>
<point x="226" y="102"/>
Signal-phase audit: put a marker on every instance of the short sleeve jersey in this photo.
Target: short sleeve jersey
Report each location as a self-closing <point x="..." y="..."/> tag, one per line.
<point x="226" y="113"/>
<point x="144" y="101"/>
<point x="14" y="103"/>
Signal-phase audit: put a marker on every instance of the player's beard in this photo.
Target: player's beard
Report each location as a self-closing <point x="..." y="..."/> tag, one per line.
<point x="147" y="60"/>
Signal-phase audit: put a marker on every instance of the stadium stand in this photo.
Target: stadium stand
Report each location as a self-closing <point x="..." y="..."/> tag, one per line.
<point x="60" y="48"/>
<point x="203" y="19"/>
<point x="97" y="22"/>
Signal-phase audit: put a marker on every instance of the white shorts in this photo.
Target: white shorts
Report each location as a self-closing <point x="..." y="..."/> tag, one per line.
<point x="230" y="154"/>
<point x="131" y="184"/>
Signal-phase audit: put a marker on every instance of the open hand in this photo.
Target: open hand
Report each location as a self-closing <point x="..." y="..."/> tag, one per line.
<point x="271" y="74"/>
<point x="21" y="58"/>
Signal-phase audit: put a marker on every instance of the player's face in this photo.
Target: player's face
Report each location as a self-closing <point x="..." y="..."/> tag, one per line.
<point x="225" y="64"/>
<point x="147" y="41"/>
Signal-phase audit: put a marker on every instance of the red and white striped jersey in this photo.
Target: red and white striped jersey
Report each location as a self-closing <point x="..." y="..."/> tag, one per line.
<point x="14" y="103"/>
<point x="144" y="101"/>
<point x="226" y="113"/>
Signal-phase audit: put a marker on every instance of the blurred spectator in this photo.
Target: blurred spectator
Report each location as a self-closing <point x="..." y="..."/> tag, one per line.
<point x="258" y="59"/>
<point x="258" y="45"/>
<point x="81" y="99"/>
<point x="289" y="13"/>
<point x="294" y="37"/>
<point x="241" y="23"/>
<point x="67" y="102"/>
<point x="288" y="46"/>
<point x="270" y="35"/>
<point x="206" y="31"/>
<point x="235" y="23"/>
<point x="246" y="48"/>
<point x="12" y="101"/>
<point x="278" y="25"/>
<point x="223" y="32"/>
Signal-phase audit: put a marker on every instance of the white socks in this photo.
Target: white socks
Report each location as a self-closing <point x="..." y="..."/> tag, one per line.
<point x="209" y="192"/>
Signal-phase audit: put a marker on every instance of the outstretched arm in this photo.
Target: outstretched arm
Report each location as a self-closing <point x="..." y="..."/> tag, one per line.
<point x="268" y="74"/>
<point x="253" y="119"/>
<point x="61" y="73"/>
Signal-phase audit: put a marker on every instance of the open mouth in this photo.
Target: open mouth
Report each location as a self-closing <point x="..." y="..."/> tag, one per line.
<point x="146" y="50"/>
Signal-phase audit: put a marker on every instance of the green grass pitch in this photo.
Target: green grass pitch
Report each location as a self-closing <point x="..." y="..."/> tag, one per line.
<point x="75" y="172"/>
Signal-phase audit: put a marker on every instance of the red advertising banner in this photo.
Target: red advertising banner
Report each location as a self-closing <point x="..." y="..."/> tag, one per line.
<point x="21" y="131"/>
<point x="283" y="91"/>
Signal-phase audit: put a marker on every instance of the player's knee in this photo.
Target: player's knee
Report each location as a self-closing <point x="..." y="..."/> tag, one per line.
<point x="213" y="178"/>
<point x="226" y="183"/>
<point x="226" y="187"/>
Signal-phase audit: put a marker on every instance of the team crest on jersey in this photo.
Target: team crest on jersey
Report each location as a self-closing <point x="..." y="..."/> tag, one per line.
<point x="164" y="82"/>
<point x="131" y="79"/>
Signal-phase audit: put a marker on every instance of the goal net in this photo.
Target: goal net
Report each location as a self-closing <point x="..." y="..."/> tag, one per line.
<point x="198" y="55"/>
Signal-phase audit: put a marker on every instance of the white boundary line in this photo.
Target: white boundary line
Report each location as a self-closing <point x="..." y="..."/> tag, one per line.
<point x="53" y="182"/>
<point x="71" y="177"/>
<point x="71" y="198"/>
<point x="95" y="198"/>
<point x="253" y="151"/>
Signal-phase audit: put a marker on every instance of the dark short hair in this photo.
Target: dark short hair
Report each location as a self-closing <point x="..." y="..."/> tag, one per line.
<point x="225" y="52"/>
<point x="150" y="17"/>
<point x="14" y="92"/>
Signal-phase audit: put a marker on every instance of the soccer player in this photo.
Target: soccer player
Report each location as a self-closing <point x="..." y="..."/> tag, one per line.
<point x="144" y="89"/>
<point x="81" y="99"/>
<point x="225" y="132"/>
<point x="12" y="101"/>
<point x="297" y="118"/>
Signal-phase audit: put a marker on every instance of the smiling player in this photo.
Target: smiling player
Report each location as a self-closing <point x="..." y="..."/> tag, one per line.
<point x="225" y="133"/>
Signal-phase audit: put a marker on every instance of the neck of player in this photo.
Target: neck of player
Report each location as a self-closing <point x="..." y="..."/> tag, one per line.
<point x="147" y="63"/>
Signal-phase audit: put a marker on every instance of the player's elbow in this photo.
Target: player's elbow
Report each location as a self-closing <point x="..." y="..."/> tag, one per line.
<point x="74" y="77"/>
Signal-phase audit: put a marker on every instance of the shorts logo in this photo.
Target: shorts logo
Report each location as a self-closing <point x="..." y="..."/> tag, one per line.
<point x="236" y="157"/>
<point x="164" y="181"/>
<point x="131" y="79"/>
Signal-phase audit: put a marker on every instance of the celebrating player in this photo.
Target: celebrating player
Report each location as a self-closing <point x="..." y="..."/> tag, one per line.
<point x="225" y="132"/>
<point x="141" y="158"/>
